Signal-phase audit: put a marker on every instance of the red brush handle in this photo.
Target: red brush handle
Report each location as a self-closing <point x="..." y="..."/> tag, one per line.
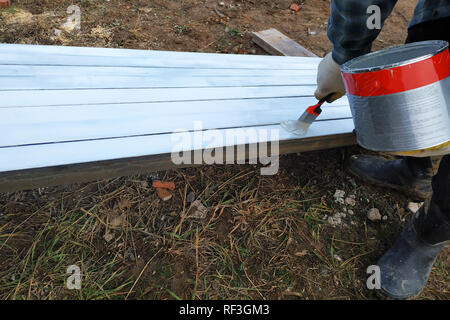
<point x="315" y="109"/>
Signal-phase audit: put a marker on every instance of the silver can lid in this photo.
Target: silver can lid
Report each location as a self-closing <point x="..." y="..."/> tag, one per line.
<point x="394" y="56"/>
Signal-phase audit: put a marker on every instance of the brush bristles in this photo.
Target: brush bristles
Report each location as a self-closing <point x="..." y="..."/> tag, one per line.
<point x="296" y="127"/>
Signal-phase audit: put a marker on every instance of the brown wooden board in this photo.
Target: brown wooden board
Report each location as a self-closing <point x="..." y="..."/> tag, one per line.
<point x="51" y="176"/>
<point x="276" y="43"/>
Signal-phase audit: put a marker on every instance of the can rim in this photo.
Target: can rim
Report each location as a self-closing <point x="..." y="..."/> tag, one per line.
<point x="440" y="44"/>
<point x="392" y="149"/>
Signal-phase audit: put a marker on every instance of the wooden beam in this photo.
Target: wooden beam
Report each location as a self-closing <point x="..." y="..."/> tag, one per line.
<point x="276" y="43"/>
<point x="148" y="153"/>
<point x="85" y="151"/>
<point x="51" y="176"/>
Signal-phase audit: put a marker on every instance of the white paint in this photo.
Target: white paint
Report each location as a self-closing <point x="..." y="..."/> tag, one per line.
<point x="223" y="91"/>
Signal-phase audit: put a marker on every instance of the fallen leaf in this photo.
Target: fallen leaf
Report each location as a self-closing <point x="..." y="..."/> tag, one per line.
<point x="301" y="253"/>
<point x="124" y="203"/>
<point x="116" y="221"/>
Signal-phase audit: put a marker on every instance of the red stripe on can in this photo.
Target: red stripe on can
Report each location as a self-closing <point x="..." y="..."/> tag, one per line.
<point x="399" y="79"/>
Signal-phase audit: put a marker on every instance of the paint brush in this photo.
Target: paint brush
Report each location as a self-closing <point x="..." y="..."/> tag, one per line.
<point x="300" y="127"/>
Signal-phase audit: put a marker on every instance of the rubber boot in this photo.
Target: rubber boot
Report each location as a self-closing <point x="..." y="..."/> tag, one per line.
<point x="405" y="268"/>
<point x="410" y="175"/>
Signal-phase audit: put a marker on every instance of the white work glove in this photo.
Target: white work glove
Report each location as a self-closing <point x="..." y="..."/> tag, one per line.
<point x="329" y="79"/>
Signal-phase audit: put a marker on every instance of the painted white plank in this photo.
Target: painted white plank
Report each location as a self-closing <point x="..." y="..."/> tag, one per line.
<point x="224" y="91"/>
<point x="30" y="98"/>
<point x="29" y="125"/>
<point x="106" y="82"/>
<point x="38" y="156"/>
<point x="21" y="58"/>
<point x="33" y="71"/>
<point x="13" y="53"/>
<point x="161" y="61"/>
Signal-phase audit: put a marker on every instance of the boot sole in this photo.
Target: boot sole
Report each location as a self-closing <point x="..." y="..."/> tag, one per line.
<point x="415" y="194"/>
<point x="386" y="295"/>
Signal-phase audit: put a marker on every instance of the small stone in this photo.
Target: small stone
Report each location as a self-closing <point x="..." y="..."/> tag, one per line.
<point x="294" y="7"/>
<point x="190" y="197"/>
<point x="385" y="218"/>
<point x="339" y="193"/>
<point x="339" y="196"/>
<point x="414" y="206"/>
<point x="350" y="212"/>
<point x="337" y="258"/>
<point x="130" y="255"/>
<point x="334" y="221"/>
<point x="350" y="201"/>
<point x="312" y="33"/>
<point x="108" y="237"/>
<point x="197" y="210"/>
<point x="374" y="214"/>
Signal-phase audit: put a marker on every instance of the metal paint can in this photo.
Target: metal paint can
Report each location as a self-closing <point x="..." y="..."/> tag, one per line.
<point x="400" y="97"/>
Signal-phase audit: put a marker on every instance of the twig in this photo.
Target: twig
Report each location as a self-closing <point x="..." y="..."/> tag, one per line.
<point x="140" y="274"/>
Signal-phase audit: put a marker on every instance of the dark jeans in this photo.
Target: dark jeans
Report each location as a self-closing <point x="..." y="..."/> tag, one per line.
<point x="434" y="30"/>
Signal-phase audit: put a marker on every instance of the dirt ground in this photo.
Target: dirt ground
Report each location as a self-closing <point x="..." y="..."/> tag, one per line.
<point x="261" y="238"/>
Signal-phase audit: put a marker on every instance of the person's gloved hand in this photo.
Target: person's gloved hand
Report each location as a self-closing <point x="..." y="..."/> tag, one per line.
<point x="329" y="79"/>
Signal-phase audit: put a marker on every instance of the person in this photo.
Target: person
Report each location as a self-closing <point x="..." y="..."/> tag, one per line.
<point x="405" y="268"/>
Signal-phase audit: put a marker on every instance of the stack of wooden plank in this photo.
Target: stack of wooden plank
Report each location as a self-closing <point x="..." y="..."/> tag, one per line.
<point x="68" y="113"/>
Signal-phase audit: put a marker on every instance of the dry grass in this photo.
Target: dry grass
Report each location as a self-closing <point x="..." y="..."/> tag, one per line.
<point x="263" y="237"/>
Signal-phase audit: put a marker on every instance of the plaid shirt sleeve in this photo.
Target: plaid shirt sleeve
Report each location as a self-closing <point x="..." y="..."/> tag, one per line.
<point x="347" y="27"/>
